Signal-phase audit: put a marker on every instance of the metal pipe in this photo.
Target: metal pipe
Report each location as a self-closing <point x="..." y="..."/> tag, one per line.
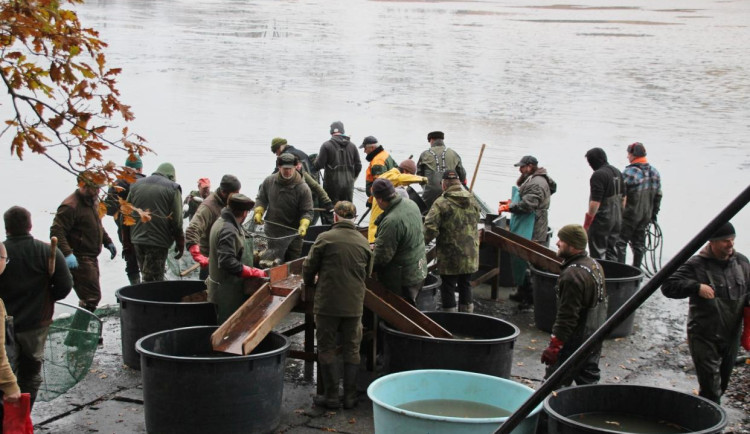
<point x="627" y="308"/>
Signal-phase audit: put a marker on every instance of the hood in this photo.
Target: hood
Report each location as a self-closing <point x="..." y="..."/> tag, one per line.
<point x="541" y="171"/>
<point x="596" y="158"/>
<point x="166" y="170"/>
<point x="706" y="253"/>
<point x="459" y="195"/>
<point x="340" y="140"/>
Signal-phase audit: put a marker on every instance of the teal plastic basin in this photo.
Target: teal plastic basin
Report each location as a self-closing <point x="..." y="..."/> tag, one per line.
<point x="393" y="390"/>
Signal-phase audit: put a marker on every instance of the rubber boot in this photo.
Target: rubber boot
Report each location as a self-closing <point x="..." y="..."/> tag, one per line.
<point x="330" y="397"/>
<point x="350" y="385"/>
<point x="637" y="259"/>
<point x="448" y="309"/>
<point x="134" y="278"/>
<point x="468" y="308"/>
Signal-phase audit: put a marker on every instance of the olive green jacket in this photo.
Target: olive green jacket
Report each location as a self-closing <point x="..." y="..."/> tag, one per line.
<point x="453" y="221"/>
<point x="399" y="245"/>
<point x="200" y="225"/>
<point x="341" y="258"/>
<point x="577" y="291"/>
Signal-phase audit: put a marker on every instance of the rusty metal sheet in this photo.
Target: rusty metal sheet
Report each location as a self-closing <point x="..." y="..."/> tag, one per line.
<point x="405" y="310"/>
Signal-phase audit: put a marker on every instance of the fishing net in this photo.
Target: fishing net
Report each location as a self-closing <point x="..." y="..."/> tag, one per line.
<point x="69" y="351"/>
<point x="175" y="267"/>
<point x="269" y="242"/>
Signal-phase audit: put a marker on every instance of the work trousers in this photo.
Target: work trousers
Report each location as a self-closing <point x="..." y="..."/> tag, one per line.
<point x="28" y="366"/>
<point x="86" y="282"/>
<point x="128" y="251"/>
<point x="452" y="283"/>
<point x="714" y="362"/>
<point x="326" y="328"/>
<point x="633" y="233"/>
<point x="605" y="229"/>
<point x="153" y="261"/>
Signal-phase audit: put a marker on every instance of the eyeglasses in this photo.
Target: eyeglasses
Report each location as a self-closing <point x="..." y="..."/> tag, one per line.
<point x="5" y="258"/>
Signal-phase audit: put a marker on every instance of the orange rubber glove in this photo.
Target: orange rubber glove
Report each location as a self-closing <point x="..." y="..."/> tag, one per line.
<point x="550" y="355"/>
<point x="195" y="252"/>
<point x="745" y="341"/>
<point x="587" y="221"/>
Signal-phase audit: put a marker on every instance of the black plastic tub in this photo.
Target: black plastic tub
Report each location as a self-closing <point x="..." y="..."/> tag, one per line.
<point x="567" y="409"/>
<point x="155" y="306"/>
<point x="427" y="299"/>
<point x="483" y="344"/>
<point x="622" y="282"/>
<point x="189" y="389"/>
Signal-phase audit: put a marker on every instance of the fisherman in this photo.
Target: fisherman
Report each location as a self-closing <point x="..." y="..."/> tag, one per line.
<point x="287" y="203"/>
<point x="29" y="291"/>
<point x="535" y="187"/>
<point x="226" y="270"/>
<point x="452" y="220"/>
<point x="199" y="229"/>
<point x="342" y="260"/>
<point x="196" y="197"/>
<point x="641" y="204"/>
<point x="400" y="177"/>
<point x="604" y="216"/>
<point x="321" y="200"/>
<point x="80" y="236"/>
<point x="8" y="385"/>
<point x="162" y="196"/>
<point x="380" y="162"/>
<point x="581" y="308"/>
<point x="400" y="261"/>
<point x="340" y="160"/>
<point x="119" y="191"/>
<point x="433" y="162"/>
<point x="716" y="280"/>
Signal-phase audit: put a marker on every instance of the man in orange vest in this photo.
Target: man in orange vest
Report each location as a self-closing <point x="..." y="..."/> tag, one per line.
<point x="380" y="162"/>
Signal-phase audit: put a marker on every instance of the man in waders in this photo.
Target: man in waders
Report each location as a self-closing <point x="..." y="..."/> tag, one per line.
<point x="287" y="203"/>
<point x="604" y="216"/>
<point x="433" y="162"/>
<point x="29" y="292"/>
<point x="339" y="159"/>
<point x="581" y="308"/>
<point x="453" y="221"/>
<point x="400" y="260"/>
<point x="642" y="202"/>
<point x="80" y="237"/>
<point x="227" y="272"/>
<point x="535" y="188"/>
<point x="199" y="229"/>
<point x="716" y="280"/>
<point x="342" y="260"/>
<point x="120" y="190"/>
<point x="152" y="239"/>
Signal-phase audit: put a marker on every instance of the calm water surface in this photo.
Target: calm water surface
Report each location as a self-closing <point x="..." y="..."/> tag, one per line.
<point x="212" y="82"/>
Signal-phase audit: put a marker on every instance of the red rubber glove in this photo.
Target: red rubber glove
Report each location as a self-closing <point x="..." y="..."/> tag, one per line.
<point x="248" y="272"/>
<point x="745" y="341"/>
<point x="587" y="221"/>
<point x="195" y="251"/>
<point x="504" y="207"/>
<point x="549" y="356"/>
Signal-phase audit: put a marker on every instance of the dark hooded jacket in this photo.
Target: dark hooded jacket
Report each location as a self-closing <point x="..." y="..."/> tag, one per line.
<point x="535" y="192"/>
<point x="606" y="187"/>
<point x="163" y="197"/>
<point x="453" y="221"/>
<point x="340" y="160"/>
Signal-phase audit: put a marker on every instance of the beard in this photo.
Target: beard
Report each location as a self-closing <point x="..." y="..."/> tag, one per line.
<point x="521" y="179"/>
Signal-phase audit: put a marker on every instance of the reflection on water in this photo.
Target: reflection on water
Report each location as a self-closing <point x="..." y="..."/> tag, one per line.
<point x="212" y="82"/>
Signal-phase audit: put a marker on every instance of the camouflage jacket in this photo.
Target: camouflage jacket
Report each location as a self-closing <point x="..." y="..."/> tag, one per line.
<point x="577" y="291"/>
<point x="453" y="221"/>
<point x="399" y="245"/>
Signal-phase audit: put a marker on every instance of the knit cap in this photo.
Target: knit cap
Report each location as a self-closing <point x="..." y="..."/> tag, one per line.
<point x="574" y="235"/>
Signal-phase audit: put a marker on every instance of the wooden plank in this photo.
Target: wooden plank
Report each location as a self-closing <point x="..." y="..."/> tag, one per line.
<point x="536" y="254"/>
<point x="406" y="310"/>
<point x="393" y="316"/>
<point x="229" y="336"/>
<point x="273" y="314"/>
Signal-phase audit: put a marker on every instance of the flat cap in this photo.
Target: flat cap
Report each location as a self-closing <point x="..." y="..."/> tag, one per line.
<point x="369" y="140"/>
<point x="240" y="202"/>
<point x="287" y="160"/>
<point x="345" y="209"/>
<point x="450" y="174"/>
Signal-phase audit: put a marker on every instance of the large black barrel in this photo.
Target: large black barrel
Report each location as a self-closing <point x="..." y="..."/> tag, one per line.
<point x="581" y="409"/>
<point x="155" y="306"/>
<point x="482" y="344"/>
<point x="622" y="282"/>
<point x="189" y="389"/>
<point x="428" y="296"/>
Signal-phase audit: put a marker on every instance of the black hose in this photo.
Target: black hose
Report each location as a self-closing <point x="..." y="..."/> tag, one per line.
<point x="654" y="247"/>
<point x="625" y="311"/>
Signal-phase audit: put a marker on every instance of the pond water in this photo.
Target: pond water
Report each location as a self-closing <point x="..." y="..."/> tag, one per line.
<point x="212" y="82"/>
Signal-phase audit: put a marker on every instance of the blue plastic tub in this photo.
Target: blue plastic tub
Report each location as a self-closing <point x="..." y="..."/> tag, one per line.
<point x="391" y="391"/>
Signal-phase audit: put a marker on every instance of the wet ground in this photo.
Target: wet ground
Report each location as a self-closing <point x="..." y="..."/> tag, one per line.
<point x="110" y="398"/>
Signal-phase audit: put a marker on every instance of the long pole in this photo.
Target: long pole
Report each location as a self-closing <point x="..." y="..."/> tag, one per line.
<point x="476" y="169"/>
<point x="625" y="310"/>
